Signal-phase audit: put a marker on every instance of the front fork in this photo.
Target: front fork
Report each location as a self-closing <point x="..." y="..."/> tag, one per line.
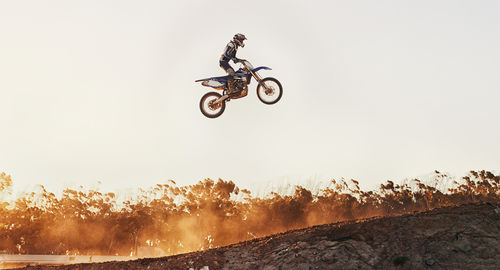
<point x="268" y="90"/>
<point x="258" y="79"/>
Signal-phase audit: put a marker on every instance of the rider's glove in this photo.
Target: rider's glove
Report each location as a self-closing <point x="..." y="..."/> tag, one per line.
<point x="236" y="60"/>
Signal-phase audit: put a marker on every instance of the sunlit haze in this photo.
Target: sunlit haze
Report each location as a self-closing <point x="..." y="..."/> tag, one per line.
<point x="373" y="90"/>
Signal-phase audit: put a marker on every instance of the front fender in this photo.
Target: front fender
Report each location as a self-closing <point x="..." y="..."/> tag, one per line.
<point x="259" y="68"/>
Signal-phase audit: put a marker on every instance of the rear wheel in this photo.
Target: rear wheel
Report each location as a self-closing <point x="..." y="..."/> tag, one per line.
<point x="271" y="93"/>
<point x="208" y="106"/>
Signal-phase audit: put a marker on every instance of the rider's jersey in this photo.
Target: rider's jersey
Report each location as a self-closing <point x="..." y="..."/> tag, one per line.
<point x="229" y="52"/>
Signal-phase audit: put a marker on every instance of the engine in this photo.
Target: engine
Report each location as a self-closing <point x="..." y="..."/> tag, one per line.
<point x="242" y="88"/>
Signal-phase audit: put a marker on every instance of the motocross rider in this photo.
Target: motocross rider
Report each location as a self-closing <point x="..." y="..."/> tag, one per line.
<point x="230" y="54"/>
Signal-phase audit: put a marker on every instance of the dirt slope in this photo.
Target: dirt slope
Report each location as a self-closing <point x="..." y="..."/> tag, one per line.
<point x="465" y="237"/>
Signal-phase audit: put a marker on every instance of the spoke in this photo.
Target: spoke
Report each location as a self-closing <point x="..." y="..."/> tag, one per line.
<point x="210" y="107"/>
<point x="268" y="91"/>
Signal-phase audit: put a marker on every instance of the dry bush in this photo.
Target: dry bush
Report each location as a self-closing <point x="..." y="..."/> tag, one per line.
<point x="205" y="215"/>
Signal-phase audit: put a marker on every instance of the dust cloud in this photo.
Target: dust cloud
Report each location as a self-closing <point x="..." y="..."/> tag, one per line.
<point x="176" y="219"/>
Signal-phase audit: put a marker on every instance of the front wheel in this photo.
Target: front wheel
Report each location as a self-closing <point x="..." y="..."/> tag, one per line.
<point x="271" y="93"/>
<point x="208" y="106"/>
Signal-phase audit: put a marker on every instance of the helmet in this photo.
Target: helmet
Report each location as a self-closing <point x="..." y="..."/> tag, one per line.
<point x="238" y="39"/>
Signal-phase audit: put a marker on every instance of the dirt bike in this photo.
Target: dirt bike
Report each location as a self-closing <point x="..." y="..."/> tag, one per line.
<point x="213" y="104"/>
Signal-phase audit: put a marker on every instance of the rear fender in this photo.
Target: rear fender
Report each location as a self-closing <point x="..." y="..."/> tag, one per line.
<point x="215" y="84"/>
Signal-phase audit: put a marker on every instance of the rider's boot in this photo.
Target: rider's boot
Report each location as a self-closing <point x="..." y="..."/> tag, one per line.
<point x="231" y="85"/>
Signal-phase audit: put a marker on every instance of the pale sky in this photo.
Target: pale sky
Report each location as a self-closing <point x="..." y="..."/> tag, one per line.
<point x="373" y="90"/>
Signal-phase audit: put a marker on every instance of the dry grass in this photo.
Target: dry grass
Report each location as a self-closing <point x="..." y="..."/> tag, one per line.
<point x="197" y="217"/>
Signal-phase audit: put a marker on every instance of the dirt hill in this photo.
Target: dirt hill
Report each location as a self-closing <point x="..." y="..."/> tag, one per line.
<point x="464" y="237"/>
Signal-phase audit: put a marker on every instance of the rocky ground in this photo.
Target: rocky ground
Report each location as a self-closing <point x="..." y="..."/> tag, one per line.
<point x="465" y="237"/>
